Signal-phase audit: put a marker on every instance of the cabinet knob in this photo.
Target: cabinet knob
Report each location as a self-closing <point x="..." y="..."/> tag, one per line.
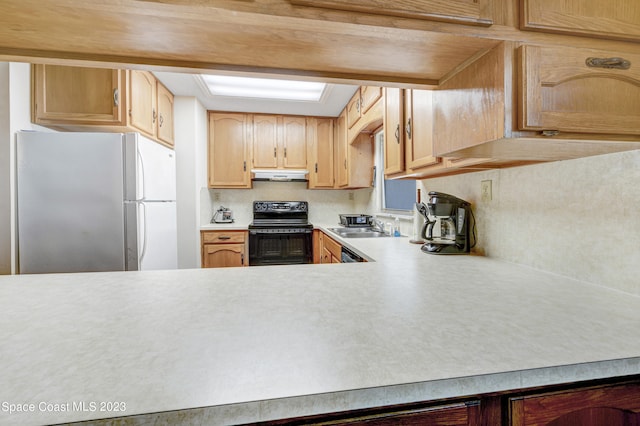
<point x="116" y="97"/>
<point x="160" y="120"/>
<point x="398" y="133"/>
<point x="153" y="114"/>
<point x="408" y="129"/>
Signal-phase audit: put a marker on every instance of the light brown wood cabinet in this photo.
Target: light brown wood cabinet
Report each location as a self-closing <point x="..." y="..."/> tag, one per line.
<point x="473" y="12"/>
<point x="265" y="141"/>
<point x="320" y="135"/>
<point x="596" y="18"/>
<point x="229" y="145"/>
<point x="617" y="405"/>
<point x="165" y="129"/>
<point x="294" y="142"/>
<point x="66" y="96"/>
<point x="279" y="141"/>
<point x="484" y="112"/>
<point x="224" y="249"/>
<point x="393" y="131"/>
<point x="328" y="249"/>
<point x="579" y="90"/>
<point x="365" y="111"/>
<point x="143" y="109"/>
<point x="100" y="99"/>
<point x="409" y="134"/>
<point x="354" y="109"/>
<point x="353" y="160"/>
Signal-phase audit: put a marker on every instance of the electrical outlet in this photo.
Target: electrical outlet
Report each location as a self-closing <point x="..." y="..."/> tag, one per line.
<point x="351" y="197"/>
<point x="216" y="196"/>
<point x="485" y="191"/>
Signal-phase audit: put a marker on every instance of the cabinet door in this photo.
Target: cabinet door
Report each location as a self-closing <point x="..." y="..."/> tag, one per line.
<point x="474" y="12"/>
<point x="320" y="142"/>
<point x="265" y="141"/>
<point x="600" y="18"/>
<point x="610" y="406"/>
<point x="143" y="111"/>
<point x="342" y="177"/>
<point x="393" y="131"/>
<point x="165" y="115"/>
<point x="78" y="95"/>
<point x="294" y="142"/>
<point x="369" y="95"/>
<point x="576" y="90"/>
<point x="229" y="136"/>
<point x="223" y="255"/>
<point x="418" y="129"/>
<point x="354" y="110"/>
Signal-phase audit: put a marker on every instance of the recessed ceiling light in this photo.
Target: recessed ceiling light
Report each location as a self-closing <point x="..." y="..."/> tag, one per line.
<point x="264" y="88"/>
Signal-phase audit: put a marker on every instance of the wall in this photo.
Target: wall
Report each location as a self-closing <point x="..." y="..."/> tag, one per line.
<point x="576" y="218"/>
<point x="324" y="205"/>
<point x="190" y="145"/>
<point x="5" y="173"/>
<point x="15" y="115"/>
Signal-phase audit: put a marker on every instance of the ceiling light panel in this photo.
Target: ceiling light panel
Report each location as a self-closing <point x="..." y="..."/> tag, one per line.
<point x="263" y="88"/>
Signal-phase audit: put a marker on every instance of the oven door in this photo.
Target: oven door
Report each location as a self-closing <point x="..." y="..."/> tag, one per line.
<point x="275" y="246"/>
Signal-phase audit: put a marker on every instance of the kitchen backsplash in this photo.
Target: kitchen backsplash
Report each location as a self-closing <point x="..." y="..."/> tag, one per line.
<point x="324" y="205"/>
<point x="577" y="218"/>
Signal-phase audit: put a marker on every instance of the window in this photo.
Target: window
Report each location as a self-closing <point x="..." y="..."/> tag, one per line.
<point x="396" y="194"/>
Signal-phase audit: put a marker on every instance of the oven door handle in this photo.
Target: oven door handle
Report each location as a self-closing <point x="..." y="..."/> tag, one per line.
<point x="271" y="231"/>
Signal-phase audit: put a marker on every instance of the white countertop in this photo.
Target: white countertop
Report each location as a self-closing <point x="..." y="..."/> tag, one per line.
<point x="234" y="345"/>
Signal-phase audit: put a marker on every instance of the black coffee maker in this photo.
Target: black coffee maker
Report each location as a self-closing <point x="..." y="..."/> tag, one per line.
<point x="453" y="222"/>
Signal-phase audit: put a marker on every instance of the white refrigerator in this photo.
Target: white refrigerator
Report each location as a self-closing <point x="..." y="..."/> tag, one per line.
<point x="91" y="202"/>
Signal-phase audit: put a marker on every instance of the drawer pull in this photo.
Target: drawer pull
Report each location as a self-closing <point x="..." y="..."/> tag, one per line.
<point x="224" y="237"/>
<point x="609" y="63"/>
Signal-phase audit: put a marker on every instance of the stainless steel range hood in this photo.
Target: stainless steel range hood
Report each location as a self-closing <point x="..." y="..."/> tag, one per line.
<point x="279" y="175"/>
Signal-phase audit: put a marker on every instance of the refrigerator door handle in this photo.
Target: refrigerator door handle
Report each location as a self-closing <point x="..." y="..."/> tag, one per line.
<point x="143" y="221"/>
<point x="141" y="174"/>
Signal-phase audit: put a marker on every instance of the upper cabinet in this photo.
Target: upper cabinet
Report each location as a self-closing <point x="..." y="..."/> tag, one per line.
<point x="65" y="95"/>
<point x="565" y="103"/>
<point x="393" y="131"/>
<point x="579" y="90"/>
<point x="229" y="143"/>
<point x="279" y="141"/>
<point x="471" y="12"/>
<point x="294" y="142"/>
<point x="89" y="99"/>
<point x="597" y="18"/>
<point x="353" y="167"/>
<point x="408" y="138"/>
<point x="265" y="146"/>
<point x="165" y="131"/>
<point x="320" y="135"/>
<point x="143" y="109"/>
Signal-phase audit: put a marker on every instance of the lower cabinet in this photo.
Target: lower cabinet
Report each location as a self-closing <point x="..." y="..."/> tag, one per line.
<point x="224" y="249"/>
<point x="616" y="405"/>
<point x="325" y="248"/>
<point x="611" y="402"/>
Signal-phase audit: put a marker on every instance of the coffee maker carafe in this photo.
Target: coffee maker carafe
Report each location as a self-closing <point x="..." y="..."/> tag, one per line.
<point x="453" y="222"/>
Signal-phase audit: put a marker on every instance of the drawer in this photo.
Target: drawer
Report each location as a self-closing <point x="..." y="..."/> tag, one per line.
<point x="222" y="237"/>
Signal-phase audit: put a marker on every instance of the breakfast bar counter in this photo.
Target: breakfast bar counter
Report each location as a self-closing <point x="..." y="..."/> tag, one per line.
<point x="240" y="345"/>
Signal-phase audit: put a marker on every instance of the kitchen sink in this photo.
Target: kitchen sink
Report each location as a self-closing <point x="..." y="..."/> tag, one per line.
<point x="358" y="233"/>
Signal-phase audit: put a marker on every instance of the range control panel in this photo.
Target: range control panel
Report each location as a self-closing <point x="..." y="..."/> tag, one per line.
<point x="280" y="206"/>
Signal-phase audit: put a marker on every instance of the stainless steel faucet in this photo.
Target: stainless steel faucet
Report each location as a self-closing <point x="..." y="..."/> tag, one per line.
<point x="377" y="225"/>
